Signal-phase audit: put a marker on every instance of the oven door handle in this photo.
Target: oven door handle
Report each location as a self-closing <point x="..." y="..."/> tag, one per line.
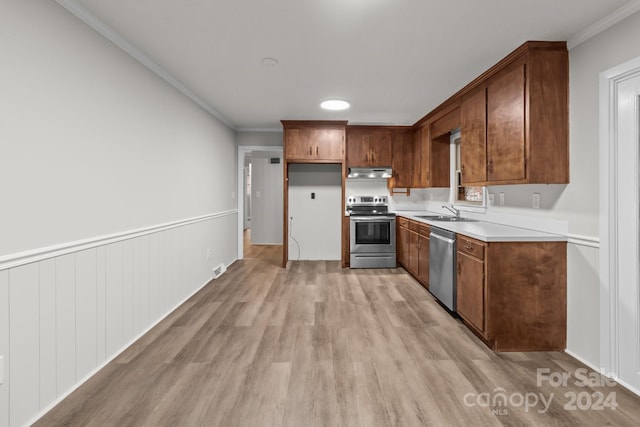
<point x="373" y="218"/>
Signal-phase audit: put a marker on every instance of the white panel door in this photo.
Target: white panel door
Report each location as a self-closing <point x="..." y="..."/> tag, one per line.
<point x="628" y="217"/>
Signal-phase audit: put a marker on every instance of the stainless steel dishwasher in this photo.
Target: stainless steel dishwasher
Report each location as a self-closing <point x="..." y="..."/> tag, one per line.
<point x="442" y="266"/>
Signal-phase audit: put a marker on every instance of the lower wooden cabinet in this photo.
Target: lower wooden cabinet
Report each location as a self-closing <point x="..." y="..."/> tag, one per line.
<point x="413" y="248"/>
<point x="470" y="283"/>
<point x="513" y="294"/>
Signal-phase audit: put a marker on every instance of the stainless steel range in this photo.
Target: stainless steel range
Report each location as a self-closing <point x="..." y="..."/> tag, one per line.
<point x="372" y="232"/>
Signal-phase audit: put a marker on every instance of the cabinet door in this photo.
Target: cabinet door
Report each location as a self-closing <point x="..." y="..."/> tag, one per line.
<point x="473" y="127"/>
<point x="413" y="252"/>
<point x="423" y="260"/>
<point x="506" y="125"/>
<point x="403" y="159"/>
<point x="380" y="148"/>
<point x="470" y="290"/>
<point x="329" y="144"/>
<point x="418" y="179"/>
<point x="357" y="148"/>
<point x="298" y="143"/>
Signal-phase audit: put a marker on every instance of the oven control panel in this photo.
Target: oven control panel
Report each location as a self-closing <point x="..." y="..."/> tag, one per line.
<point x="367" y="200"/>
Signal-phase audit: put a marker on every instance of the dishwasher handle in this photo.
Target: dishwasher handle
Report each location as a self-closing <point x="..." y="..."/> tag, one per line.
<point x="444" y="239"/>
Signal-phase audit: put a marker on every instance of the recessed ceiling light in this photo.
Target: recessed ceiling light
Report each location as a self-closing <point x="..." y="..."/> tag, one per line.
<point x="335" y="104"/>
<point x="269" y="62"/>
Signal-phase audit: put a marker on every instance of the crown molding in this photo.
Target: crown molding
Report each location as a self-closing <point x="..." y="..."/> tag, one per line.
<point x="606" y="22"/>
<point x="114" y="37"/>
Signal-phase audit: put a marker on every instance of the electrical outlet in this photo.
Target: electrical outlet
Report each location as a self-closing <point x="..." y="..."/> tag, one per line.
<point x="233" y="194"/>
<point x="536" y="200"/>
<point x="491" y="198"/>
<point x="501" y="199"/>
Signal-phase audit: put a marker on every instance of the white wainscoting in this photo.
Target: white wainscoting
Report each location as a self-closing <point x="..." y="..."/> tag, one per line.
<point x="66" y="312"/>
<point x="583" y="299"/>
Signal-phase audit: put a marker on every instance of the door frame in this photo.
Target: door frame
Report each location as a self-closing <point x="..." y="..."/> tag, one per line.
<point x="608" y="226"/>
<point x="243" y="150"/>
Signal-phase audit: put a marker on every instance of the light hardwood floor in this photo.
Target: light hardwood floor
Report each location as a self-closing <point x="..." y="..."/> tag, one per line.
<point x="317" y="345"/>
<point x="269" y="253"/>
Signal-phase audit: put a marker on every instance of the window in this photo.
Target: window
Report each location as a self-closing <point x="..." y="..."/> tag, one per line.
<point x="459" y="194"/>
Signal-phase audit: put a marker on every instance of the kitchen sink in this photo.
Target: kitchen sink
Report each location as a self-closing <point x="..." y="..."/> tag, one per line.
<point x="447" y="218"/>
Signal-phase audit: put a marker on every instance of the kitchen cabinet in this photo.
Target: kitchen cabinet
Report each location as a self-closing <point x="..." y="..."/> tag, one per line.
<point x="514" y="119"/>
<point x="513" y="294"/>
<point x="473" y="136"/>
<point x="443" y="125"/>
<point x="470" y="282"/>
<point x="423" y="255"/>
<point x="402" y="162"/>
<point x="314" y="141"/>
<point x="414" y="248"/>
<point x="412" y="240"/>
<point x="369" y="146"/>
<point x="430" y="159"/>
<point x="402" y="242"/>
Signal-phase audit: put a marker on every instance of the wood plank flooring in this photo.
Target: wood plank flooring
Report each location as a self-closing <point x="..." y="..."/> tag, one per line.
<point x="317" y="345"/>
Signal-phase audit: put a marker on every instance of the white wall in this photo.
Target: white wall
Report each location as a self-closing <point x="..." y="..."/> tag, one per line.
<point x="96" y="148"/>
<point x="266" y="198"/>
<point x="316" y="222"/>
<point x="258" y="138"/>
<point x="92" y="142"/>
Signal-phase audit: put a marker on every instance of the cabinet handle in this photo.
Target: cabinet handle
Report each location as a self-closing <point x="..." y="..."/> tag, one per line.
<point x="373" y="157"/>
<point x="317" y="151"/>
<point x="459" y="268"/>
<point x="468" y="247"/>
<point x="490" y="165"/>
<point x="462" y="169"/>
<point x="310" y="151"/>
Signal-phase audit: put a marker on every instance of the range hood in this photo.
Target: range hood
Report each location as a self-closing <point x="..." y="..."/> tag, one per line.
<point x="370" y="173"/>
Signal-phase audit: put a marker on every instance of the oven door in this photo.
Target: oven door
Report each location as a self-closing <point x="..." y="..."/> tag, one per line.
<point x="372" y="234"/>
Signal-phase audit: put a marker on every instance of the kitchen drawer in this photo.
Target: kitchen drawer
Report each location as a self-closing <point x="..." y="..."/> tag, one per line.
<point x="424" y="230"/>
<point x="403" y="222"/>
<point x="414" y="226"/>
<point x="471" y="246"/>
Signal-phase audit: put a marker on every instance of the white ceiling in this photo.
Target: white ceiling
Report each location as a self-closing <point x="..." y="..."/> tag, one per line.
<point x="394" y="60"/>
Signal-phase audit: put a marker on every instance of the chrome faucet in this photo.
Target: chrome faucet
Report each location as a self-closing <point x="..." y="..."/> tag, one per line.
<point x="453" y="210"/>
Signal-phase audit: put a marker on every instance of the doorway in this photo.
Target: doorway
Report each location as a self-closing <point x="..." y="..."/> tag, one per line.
<point x="260" y="200"/>
<point x="620" y="223"/>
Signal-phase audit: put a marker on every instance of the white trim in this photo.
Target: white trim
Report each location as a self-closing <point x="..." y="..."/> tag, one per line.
<point x="608" y="213"/>
<point x="242" y="151"/>
<point x="274" y="130"/>
<point x="110" y="34"/>
<point x="40" y="254"/>
<point x="590" y="241"/>
<point x="604" y="23"/>
<point x="581" y="360"/>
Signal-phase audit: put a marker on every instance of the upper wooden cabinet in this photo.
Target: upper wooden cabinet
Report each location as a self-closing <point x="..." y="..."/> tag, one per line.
<point x="369" y="146"/>
<point x="514" y="119"/>
<point x="314" y="141"/>
<point x="430" y="158"/>
<point x="443" y="125"/>
<point x="402" y="163"/>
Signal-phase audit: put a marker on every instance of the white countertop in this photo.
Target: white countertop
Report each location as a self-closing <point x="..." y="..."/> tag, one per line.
<point x="486" y="231"/>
